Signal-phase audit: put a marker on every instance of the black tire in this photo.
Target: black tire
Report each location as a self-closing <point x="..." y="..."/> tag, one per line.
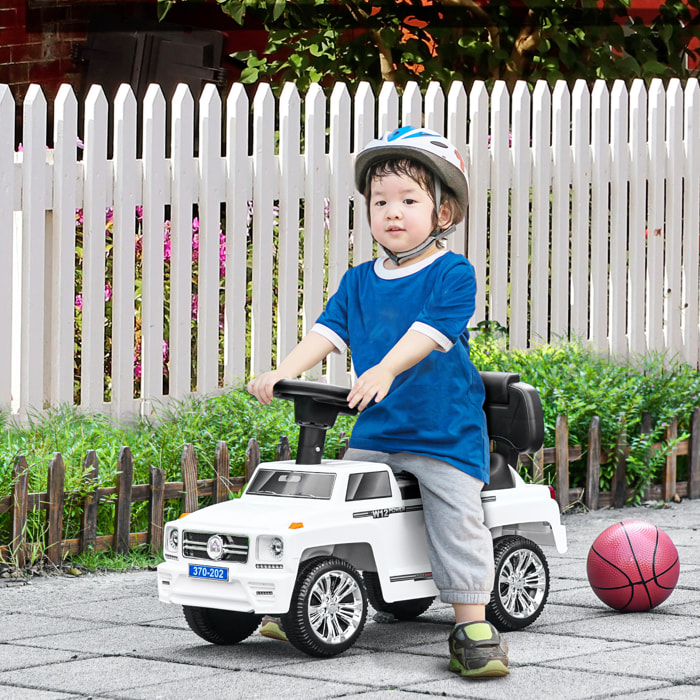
<point x="521" y="583"/>
<point x="328" y="608"/>
<point x="221" y="626"/>
<point x="401" y="609"/>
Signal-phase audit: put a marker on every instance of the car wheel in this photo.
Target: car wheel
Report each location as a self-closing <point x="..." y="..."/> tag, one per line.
<point x="401" y="609"/>
<point x="221" y="626"/>
<point x="521" y="583"/>
<point x="328" y="608"/>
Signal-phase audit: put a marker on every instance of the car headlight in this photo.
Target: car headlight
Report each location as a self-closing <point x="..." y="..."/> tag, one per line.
<point x="172" y="540"/>
<point x="270" y="548"/>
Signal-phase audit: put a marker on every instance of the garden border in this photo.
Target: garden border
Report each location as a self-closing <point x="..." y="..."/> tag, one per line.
<point x="191" y="488"/>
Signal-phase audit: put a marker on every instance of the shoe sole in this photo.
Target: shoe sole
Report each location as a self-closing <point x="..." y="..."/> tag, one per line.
<point x="492" y="669"/>
<point x="272" y="631"/>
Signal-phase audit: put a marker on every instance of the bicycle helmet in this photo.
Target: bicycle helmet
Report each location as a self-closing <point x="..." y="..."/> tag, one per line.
<point x="434" y="152"/>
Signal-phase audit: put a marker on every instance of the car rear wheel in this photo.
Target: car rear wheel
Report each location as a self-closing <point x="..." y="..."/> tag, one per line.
<point x="401" y="609"/>
<point x="221" y="626"/>
<point x="521" y="584"/>
<point x="328" y="608"/>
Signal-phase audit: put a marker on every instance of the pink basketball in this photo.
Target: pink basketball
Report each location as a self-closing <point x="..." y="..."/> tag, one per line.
<point x="633" y="566"/>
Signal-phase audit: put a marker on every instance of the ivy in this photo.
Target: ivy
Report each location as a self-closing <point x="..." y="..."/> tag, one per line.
<point x="313" y="41"/>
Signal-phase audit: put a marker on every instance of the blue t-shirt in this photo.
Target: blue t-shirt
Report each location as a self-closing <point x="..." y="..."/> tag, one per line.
<point x="436" y="407"/>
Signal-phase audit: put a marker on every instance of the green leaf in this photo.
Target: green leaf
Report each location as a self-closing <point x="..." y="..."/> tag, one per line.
<point x="235" y="9"/>
<point x="163" y="8"/>
<point x="249" y="75"/>
<point x="278" y="9"/>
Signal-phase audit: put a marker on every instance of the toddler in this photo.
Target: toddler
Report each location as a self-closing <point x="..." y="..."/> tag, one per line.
<point x="404" y="316"/>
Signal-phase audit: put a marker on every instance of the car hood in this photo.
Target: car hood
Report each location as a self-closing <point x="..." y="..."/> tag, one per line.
<point x="262" y="513"/>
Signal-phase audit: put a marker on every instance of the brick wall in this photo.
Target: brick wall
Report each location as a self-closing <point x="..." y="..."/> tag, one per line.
<point x="37" y="38"/>
<point x="36" y="45"/>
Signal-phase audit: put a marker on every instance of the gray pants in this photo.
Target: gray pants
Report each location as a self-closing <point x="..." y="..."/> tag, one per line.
<point x="459" y="544"/>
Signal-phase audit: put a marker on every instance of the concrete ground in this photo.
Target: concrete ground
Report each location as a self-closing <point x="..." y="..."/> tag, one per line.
<point x="108" y="636"/>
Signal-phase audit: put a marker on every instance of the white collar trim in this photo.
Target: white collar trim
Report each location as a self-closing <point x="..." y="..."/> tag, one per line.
<point x="399" y="272"/>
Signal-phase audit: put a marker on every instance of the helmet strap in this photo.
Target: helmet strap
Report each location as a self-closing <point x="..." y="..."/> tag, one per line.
<point x="436" y="235"/>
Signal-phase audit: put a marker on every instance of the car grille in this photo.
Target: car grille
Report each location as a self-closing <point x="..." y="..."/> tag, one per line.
<point x="194" y="546"/>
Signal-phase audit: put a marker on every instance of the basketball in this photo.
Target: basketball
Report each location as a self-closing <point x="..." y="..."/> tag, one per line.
<point x="633" y="566"/>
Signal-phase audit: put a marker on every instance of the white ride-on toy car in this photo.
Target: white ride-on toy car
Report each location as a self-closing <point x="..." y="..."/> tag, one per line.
<point x="313" y="541"/>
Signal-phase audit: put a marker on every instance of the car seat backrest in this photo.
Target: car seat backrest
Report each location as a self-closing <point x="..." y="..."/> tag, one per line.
<point x="514" y="416"/>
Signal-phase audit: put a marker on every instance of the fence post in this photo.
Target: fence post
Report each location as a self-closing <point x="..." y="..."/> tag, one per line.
<point x="89" y="534"/>
<point x="619" y="482"/>
<point x="694" y="455"/>
<point x="222" y="465"/>
<point x="592" y="498"/>
<point x="669" y="483"/>
<point x="188" y="465"/>
<point x="20" y="504"/>
<point x="561" y="443"/>
<point x="156" y="509"/>
<point x="57" y="477"/>
<point x="122" y="514"/>
<point x="646" y="429"/>
<point x="252" y="458"/>
<point x="538" y="466"/>
<point x="283" y="451"/>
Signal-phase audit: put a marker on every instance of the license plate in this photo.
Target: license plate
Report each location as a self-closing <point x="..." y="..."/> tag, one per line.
<point x="216" y="573"/>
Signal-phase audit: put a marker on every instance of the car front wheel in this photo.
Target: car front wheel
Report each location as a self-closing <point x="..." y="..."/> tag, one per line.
<point x="328" y="608"/>
<point x="521" y="583"/>
<point x="221" y="626"/>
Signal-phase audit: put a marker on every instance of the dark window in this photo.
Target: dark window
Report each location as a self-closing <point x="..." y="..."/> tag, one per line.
<point x="272" y="482"/>
<point x="368" y="485"/>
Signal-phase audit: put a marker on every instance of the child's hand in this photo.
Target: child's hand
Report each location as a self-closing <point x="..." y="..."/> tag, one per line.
<point x="262" y="386"/>
<point x="373" y="384"/>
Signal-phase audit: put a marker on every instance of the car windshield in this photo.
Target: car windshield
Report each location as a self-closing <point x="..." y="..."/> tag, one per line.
<point x="278" y="482"/>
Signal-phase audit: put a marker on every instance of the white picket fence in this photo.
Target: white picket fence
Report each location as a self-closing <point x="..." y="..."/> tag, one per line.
<point x="584" y="219"/>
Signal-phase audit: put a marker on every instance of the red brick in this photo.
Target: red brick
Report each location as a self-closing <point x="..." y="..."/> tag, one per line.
<point x="43" y="72"/>
<point x="62" y="48"/>
<point x="13" y="35"/>
<point x="9" y="18"/>
<point x="29" y="52"/>
<point x="14" y="73"/>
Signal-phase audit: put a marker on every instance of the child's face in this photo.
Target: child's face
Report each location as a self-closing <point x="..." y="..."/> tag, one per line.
<point x="401" y="213"/>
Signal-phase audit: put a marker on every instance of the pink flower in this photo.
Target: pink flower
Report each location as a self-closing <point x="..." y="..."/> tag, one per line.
<point x="195" y="246"/>
<point x="139" y="212"/>
<point x="79" y="301"/>
<point x="167" y="246"/>
<point x="195" y="306"/>
<point x="222" y="253"/>
<point x="79" y="216"/>
<point x="108" y="292"/>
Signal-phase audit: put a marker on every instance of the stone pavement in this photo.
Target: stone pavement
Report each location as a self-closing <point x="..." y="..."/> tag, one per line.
<point x="108" y="636"/>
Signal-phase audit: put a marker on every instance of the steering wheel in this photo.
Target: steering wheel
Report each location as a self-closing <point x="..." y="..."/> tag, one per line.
<point x="316" y="406"/>
<point x="335" y="397"/>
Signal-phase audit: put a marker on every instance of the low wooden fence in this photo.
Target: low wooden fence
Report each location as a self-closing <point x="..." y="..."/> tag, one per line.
<point x="55" y="499"/>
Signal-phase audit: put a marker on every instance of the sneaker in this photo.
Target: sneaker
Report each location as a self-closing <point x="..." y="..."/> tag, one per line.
<point x="477" y="651"/>
<point x="272" y="627"/>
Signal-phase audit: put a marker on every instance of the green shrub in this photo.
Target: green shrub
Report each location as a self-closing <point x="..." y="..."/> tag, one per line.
<point x="575" y="381"/>
<point x="571" y="378"/>
<point x="234" y="417"/>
